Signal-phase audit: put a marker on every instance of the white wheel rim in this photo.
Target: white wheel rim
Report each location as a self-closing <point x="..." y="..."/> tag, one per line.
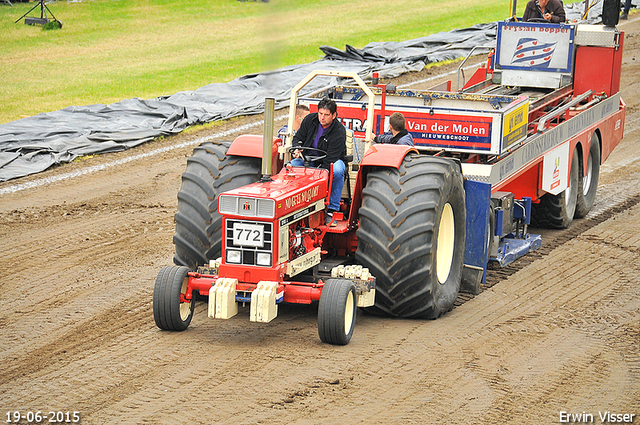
<point x="348" y="314"/>
<point x="586" y="181"/>
<point x="445" y="244"/>
<point x="185" y="308"/>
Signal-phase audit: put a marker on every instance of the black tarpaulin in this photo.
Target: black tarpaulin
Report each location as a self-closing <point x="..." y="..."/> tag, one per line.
<point x="31" y="145"/>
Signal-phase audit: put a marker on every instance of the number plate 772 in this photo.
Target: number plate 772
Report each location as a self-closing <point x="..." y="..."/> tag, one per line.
<point x="248" y="234"/>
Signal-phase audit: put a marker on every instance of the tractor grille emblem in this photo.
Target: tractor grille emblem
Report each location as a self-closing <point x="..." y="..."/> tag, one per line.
<point x="246" y="206"/>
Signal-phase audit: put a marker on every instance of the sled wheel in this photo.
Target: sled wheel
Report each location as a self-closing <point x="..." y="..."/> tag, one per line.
<point x="337" y="311"/>
<point x="588" y="184"/>
<point x="169" y="313"/>
<point x="557" y="211"/>
<point x="412" y="235"/>
<point x="210" y="171"/>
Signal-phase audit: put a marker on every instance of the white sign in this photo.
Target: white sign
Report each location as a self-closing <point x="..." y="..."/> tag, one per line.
<point x="536" y="47"/>
<point x="555" y="170"/>
<point x="248" y="235"/>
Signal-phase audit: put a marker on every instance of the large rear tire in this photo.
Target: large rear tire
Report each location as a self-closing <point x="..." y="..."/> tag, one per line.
<point x="588" y="184"/>
<point x="169" y="313"/>
<point x="337" y="311"/>
<point x="210" y="171"/>
<point x="412" y="236"/>
<point x="557" y="211"/>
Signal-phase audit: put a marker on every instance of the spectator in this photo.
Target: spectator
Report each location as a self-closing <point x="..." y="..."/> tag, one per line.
<point x="625" y="11"/>
<point x="398" y="134"/>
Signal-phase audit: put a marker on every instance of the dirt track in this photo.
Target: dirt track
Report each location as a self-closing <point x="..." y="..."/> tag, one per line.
<point x="557" y="332"/>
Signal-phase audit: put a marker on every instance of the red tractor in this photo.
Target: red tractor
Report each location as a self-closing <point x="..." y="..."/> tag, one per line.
<point x="520" y="141"/>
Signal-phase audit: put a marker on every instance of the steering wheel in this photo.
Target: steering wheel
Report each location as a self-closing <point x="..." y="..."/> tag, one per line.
<point x="538" y="20"/>
<point x="309" y="154"/>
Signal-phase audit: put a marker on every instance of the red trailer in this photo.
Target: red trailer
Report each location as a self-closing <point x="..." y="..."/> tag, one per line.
<point x="520" y="143"/>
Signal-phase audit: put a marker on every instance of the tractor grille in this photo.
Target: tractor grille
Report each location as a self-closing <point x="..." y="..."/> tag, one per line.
<point x="254" y="251"/>
<point x="247" y="207"/>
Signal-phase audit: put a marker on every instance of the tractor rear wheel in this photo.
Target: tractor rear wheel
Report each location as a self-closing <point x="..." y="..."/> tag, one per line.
<point x="210" y="171"/>
<point x="337" y="311"/>
<point x="169" y="313"/>
<point x="588" y="184"/>
<point x="557" y="211"/>
<point x="412" y="236"/>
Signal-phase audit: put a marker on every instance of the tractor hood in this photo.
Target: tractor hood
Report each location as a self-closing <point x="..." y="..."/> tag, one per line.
<point x="290" y="190"/>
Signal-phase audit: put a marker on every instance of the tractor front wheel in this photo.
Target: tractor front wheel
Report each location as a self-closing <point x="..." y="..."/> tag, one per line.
<point x="169" y="312"/>
<point x="337" y="311"/>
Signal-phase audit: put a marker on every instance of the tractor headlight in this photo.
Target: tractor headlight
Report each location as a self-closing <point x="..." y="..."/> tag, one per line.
<point x="234" y="256"/>
<point x="263" y="259"/>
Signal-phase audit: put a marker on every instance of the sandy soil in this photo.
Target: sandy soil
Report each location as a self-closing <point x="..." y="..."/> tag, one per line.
<point x="556" y="332"/>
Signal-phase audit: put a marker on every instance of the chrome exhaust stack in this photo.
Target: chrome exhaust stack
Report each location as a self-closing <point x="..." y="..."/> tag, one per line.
<point x="267" y="138"/>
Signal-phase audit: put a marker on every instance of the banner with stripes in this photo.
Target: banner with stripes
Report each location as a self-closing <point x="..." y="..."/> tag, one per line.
<point x="533" y="53"/>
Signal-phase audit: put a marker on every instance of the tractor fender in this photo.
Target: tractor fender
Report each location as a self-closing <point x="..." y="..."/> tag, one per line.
<point x="250" y="145"/>
<point x="382" y="155"/>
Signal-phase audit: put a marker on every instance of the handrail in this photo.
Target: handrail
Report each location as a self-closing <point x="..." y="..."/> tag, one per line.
<point x="465" y="61"/>
<point x="543" y="119"/>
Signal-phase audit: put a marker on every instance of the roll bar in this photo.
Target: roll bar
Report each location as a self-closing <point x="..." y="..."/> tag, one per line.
<point x="343" y="74"/>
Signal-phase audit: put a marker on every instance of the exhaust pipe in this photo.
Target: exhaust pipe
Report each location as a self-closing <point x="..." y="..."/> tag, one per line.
<point x="267" y="138"/>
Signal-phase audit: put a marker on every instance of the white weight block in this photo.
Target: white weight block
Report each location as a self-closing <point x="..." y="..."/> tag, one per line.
<point x="367" y="299"/>
<point x="225" y="298"/>
<point x="263" y="302"/>
<point x="349" y="273"/>
<point x="211" y="310"/>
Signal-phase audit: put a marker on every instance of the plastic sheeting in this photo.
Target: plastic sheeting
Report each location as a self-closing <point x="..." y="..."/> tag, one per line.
<point x="31" y="145"/>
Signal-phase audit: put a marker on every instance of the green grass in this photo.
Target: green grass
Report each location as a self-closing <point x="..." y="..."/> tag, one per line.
<point x="110" y="50"/>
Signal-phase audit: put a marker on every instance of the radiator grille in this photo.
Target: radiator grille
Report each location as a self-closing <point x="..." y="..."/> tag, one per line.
<point x="249" y="254"/>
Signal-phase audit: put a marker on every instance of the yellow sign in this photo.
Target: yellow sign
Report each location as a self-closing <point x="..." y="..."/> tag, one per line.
<point x="515" y="125"/>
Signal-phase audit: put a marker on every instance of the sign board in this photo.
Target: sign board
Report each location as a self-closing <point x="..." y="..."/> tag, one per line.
<point x="535" y="47"/>
<point x="459" y="122"/>
<point x="515" y="126"/>
<point x="555" y="170"/>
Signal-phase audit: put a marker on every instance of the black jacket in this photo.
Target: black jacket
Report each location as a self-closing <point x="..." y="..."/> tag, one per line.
<point x="554" y="7"/>
<point x="333" y="140"/>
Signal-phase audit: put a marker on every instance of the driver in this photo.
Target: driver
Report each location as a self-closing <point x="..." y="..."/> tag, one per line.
<point x="549" y="10"/>
<point x="323" y="131"/>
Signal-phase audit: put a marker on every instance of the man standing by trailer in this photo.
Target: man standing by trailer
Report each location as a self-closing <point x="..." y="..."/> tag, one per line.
<point x="323" y="131"/>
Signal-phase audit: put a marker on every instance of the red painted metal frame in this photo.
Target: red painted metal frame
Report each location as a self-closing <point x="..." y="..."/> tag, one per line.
<point x="598" y="68"/>
<point x="528" y="181"/>
<point x="479" y="76"/>
<point x="294" y="292"/>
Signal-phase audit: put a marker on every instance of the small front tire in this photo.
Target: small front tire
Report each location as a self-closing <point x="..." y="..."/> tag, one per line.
<point x="337" y="311"/>
<point x="169" y="313"/>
